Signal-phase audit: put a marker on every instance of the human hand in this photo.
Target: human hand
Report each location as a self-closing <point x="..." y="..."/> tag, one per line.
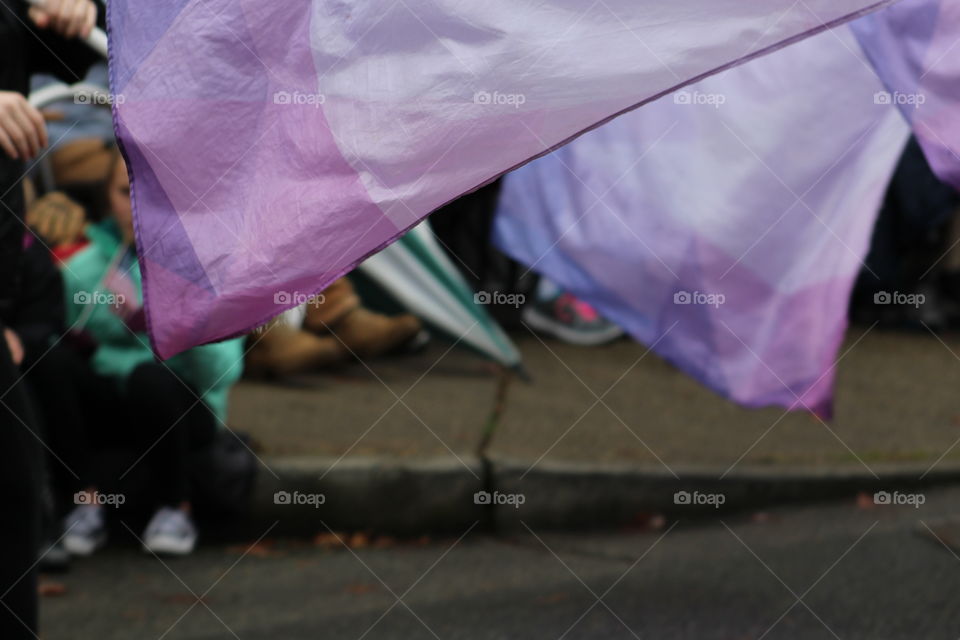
<point x="56" y="218"/>
<point x="69" y="18"/>
<point x="22" y="130"/>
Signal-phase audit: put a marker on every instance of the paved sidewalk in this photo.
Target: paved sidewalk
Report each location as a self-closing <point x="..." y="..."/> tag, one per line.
<point x="600" y="436"/>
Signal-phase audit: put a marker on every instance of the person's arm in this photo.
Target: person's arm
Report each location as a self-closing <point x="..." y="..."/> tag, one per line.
<point x="51" y="44"/>
<point x="40" y="306"/>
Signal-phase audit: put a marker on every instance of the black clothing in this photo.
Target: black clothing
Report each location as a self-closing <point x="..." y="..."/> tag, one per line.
<point x="24" y="51"/>
<point x="21" y="479"/>
<point x="39" y="312"/>
<point x="153" y="417"/>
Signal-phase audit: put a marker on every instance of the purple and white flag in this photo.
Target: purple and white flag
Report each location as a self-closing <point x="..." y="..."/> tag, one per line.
<point x="723" y="225"/>
<point x="274" y="145"/>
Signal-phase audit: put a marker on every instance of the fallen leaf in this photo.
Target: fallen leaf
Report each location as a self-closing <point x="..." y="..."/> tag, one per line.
<point x="359" y="540"/>
<point x="865" y="500"/>
<point x="261" y="549"/>
<point x="328" y="540"/>
<point x="384" y="542"/>
<point x="647" y="521"/>
<point x="360" y="589"/>
<point x="48" y="588"/>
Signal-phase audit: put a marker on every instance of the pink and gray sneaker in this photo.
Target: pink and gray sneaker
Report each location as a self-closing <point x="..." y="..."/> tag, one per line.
<point x="571" y="320"/>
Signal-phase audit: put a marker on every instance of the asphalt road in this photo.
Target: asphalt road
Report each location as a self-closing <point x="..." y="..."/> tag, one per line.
<point x="841" y="570"/>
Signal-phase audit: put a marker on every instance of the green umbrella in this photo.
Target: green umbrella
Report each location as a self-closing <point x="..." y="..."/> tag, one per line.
<point x="417" y="272"/>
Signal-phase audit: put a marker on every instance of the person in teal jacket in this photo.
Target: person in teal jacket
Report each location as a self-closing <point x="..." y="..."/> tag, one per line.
<point x="163" y="409"/>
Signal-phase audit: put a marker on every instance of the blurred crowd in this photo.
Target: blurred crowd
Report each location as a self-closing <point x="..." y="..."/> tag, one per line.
<point x="118" y="428"/>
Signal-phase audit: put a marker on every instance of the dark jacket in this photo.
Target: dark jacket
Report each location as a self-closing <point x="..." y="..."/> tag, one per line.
<point x="39" y="312"/>
<point x="25" y="50"/>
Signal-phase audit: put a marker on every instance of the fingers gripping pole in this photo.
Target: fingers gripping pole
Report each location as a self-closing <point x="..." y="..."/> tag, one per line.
<point x="97" y="40"/>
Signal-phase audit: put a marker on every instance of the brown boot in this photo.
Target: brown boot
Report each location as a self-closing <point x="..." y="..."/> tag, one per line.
<point x="283" y="350"/>
<point x="369" y="334"/>
<point x="330" y="307"/>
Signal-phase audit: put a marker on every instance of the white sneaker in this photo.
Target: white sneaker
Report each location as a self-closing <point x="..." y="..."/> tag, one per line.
<point x="86" y="529"/>
<point x="170" y="531"/>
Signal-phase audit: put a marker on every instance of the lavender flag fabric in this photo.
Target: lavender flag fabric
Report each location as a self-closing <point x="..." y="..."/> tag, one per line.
<point x="915" y="47"/>
<point x="723" y="225"/>
<point x="274" y="145"/>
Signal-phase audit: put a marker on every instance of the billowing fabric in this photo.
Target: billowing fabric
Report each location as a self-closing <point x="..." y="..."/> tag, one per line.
<point x="915" y="48"/>
<point x="723" y="225"/>
<point x="274" y="145"/>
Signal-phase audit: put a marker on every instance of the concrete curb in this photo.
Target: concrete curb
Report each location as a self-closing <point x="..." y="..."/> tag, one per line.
<point x="570" y="496"/>
<point x="412" y="497"/>
<point x="405" y="497"/>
